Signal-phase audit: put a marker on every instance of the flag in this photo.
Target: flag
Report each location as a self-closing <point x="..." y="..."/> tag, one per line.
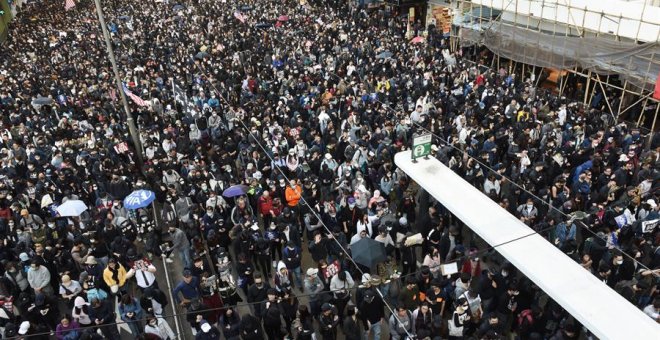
<point x="181" y="98"/>
<point x="113" y="94"/>
<point x="240" y="16"/>
<point x="69" y="4"/>
<point x="179" y="94"/>
<point x="137" y="100"/>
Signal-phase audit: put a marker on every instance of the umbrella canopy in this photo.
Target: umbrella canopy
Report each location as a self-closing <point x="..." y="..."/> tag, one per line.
<point x="368" y="252"/>
<point x="246" y="8"/>
<point x="71" y="208"/>
<point x="235" y="190"/>
<point x="178" y="7"/>
<point x="417" y="40"/>
<point x="283" y="18"/>
<point x="139" y="199"/>
<point x="42" y="101"/>
<point x="201" y="55"/>
<point x="384" y="55"/>
<point x="263" y="25"/>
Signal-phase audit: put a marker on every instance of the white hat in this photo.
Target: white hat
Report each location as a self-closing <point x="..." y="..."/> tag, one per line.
<point x="312" y="271"/>
<point x="366" y="277"/>
<point x="25" y="326"/>
<point x="206" y="327"/>
<point x="257" y="175"/>
<point x="328" y="156"/>
<point x="652" y="203"/>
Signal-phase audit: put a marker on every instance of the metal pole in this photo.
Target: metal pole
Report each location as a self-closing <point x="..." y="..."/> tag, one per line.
<point x="169" y="290"/>
<point x="129" y="117"/>
<point x="586" y="90"/>
<point x="655" y="117"/>
<point x="607" y="101"/>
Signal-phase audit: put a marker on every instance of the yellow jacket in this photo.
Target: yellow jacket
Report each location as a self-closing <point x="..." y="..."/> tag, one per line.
<point x="121" y="273"/>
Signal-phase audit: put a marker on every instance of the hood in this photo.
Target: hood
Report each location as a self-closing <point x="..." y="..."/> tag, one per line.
<point x="79" y="302"/>
<point x="280" y="265"/>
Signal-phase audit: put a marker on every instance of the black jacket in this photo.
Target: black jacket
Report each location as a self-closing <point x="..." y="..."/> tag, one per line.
<point x="255" y="295"/>
<point x="372" y="311"/>
<point x="271" y="312"/>
<point x="351" y="329"/>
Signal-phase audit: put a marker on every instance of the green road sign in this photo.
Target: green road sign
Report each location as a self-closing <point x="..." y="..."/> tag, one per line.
<point x="421" y="146"/>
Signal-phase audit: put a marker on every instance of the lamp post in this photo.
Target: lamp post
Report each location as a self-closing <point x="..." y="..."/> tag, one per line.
<point x="129" y="116"/>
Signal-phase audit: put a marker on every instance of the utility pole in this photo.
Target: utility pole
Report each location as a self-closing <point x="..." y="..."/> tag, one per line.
<point x="111" y="54"/>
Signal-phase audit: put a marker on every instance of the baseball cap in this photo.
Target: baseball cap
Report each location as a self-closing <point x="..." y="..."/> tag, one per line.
<point x="206" y="327"/>
<point x="187" y="273"/>
<point x="312" y="271"/>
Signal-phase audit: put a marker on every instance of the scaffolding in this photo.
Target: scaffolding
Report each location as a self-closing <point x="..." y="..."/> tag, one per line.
<point x="606" y="48"/>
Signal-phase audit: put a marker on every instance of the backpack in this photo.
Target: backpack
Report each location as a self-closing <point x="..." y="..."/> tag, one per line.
<point x="96" y="293"/>
<point x="526" y="314"/>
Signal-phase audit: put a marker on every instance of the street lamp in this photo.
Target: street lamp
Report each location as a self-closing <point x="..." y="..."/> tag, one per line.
<point x="129" y="117"/>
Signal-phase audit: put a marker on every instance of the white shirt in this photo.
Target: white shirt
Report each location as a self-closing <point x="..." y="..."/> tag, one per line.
<point x="143" y="276"/>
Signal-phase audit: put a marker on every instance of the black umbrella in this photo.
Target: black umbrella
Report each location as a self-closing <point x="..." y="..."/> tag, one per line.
<point x="368" y="252"/>
<point x="263" y="25"/>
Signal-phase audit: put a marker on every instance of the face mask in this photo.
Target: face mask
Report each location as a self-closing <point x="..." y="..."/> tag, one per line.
<point x="51" y="225"/>
<point x="530" y="206"/>
<point x="618" y="263"/>
<point x="153" y="323"/>
<point x="505" y="274"/>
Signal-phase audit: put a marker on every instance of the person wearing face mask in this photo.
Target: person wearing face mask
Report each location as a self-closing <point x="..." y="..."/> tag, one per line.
<point x="180" y="245"/>
<point x="622" y="270"/>
<point x="527" y="213"/>
<point x="39" y="277"/>
<point x="158" y="326"/>
<point x="258" y="292"/>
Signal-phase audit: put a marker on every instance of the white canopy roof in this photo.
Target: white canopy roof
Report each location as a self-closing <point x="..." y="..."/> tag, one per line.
<point x="593" y="303"/>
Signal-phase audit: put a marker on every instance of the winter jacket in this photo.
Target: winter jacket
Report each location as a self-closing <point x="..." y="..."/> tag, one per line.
<point x="291" y="257"/>
<point x="351" y="329"/>
<point x="110" y="280"/>
<point x="401" y="327"/>
<point x="279" y="279"/>
<point x="271" y="313"/>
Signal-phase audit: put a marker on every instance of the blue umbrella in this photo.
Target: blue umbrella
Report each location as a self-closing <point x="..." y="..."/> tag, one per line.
<point x="139" y="199"/>
<point x="384" y="55"/>
<point x="178" y="7"/>
<point x="235" y="190"/>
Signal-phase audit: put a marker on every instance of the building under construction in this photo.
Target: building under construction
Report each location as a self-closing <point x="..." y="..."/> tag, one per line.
<point x="604" y="53"/>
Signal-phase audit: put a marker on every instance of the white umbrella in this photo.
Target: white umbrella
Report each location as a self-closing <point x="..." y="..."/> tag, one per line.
<point x="71" y="208"/>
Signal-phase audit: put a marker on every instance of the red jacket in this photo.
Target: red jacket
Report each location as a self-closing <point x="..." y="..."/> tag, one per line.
<point x="265" y="205"/>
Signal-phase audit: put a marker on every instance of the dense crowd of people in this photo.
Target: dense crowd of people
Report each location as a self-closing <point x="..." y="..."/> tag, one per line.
<point x="304" y="103"/>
